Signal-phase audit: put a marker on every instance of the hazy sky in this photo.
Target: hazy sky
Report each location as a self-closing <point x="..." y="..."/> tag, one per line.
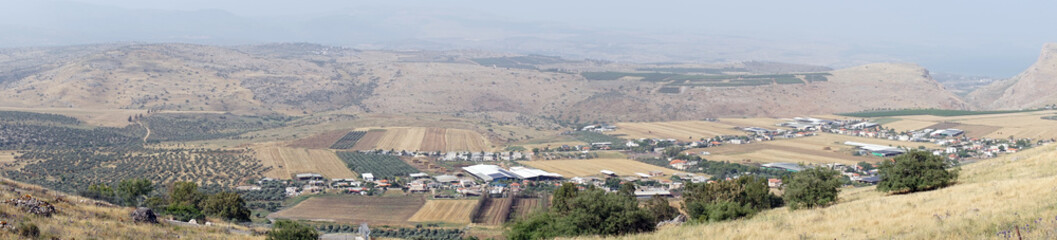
<point x="945" y="35"/>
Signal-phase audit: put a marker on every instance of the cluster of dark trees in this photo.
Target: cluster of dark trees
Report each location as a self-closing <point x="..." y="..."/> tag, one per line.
<point x="725" y="200"/>
<point x="592" y="211"/>
<point x="18" y="136"/>
<point x="183" y="200"/>
<point x="402" y="233"/>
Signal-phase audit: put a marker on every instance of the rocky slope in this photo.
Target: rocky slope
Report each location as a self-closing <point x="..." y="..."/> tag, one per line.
<point x="1035" y="87"/>
<point x="305" y="78"/>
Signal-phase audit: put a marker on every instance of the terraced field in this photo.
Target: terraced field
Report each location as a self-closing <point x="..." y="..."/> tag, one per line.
<point x="287" y="161"/>
<point x="450" y="211"/>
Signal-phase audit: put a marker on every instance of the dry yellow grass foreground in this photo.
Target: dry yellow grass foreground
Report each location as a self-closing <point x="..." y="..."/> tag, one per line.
<point x="991" y="196"/>
<point x="80" y="218"/>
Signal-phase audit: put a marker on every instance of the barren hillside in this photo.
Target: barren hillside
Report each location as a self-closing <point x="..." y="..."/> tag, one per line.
<point x="1035" y="87"/>
<point x="305" y="78"/>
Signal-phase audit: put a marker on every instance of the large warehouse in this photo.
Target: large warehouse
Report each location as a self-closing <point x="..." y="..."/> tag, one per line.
<point x="492" y="172"/>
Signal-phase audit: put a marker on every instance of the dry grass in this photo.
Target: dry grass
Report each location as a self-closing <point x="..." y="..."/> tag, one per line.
<point x="402" y="139"/>
<point x="80" y="218"/>
<point x="393" y="210"/>
<point x="752" y="122"/>
<point x="991" y="196"/>
<point x="593" y="167"/>
<point x="465" y="140"/>
<point x="286" y="162"/>
<point x="95" y="117"/>
<point x="320" y="141"/>
<point x="452" y="211"/>
<point x="683" y="130"/>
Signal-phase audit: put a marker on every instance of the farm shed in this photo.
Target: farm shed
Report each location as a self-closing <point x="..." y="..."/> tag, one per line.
<point x="533" y="174"/>
<point x="489" y="172"/>
<point x="418" y="175"/>
<point x="648" y="193"/>
<point x="792" y="167"/>
<point x="309" y="176"/>
<point x="368" y="177"/>
<point x="446" y="179"/>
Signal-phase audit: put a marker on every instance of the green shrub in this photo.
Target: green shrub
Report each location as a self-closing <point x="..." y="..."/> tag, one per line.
<point x="916" y="171"/>
<point x="725" y="200"/>
<point x="290" y="230"/>
<point x="28" y="230"/>
<point x="226" y="205"/>
<point x="813" y="187"/>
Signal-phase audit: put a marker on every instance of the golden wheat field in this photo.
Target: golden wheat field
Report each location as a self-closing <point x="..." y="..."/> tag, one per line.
<point x="991" y="196"/>
<point x="287" y="162"/>
<point x="422" y="139"/>
<point x="592" y="167"/>
<point x="821" y="149"/>
<point x="681" y="130"/>
<point x="1020" y="125"/>
<point x="451" y="211"/>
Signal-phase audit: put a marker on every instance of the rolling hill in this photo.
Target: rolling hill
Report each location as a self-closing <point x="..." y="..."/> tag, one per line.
<point x="1035" y="87"/>
<point x="991" y="197"/>
<point x="296" y="79"/>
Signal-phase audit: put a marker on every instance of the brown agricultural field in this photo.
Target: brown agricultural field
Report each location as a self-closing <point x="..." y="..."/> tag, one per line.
<point x="402" y="139"/>
<point x="465" y="140"/>
<point x="369" y="140"/>
<point x="319" y="141"/>
<point x="494" y="211"/>
<point x="287" y="161"/>
<point x="434" y="140"/>
<point x="523" y="207"/>
<point x="451" y="211"/>
<point x="387" y="210"/>
<point x="593" y="167"/>
<point x="681" y="130"/>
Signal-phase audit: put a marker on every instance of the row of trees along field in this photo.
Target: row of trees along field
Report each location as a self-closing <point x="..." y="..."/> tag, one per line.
<point x="183" y="200"/>
<point x="594" y="212"/>
<point x="191" y="127"/>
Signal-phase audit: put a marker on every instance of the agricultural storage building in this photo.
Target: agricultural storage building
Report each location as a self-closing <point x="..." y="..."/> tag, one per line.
<point x="446" y="179"/>
<point x="489" y="172"/>
<point x="533" y="174"/>
<point x="418" y="175"/>
<point x="368" y="177"/>
<point x="947" y="132"/>
<point x="608" y="173"/>
<point x="309" y="176"/>
<point x="793" y="167"/>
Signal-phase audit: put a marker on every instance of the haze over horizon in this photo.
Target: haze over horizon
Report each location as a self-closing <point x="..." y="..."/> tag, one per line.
<point x="963" y="37"/>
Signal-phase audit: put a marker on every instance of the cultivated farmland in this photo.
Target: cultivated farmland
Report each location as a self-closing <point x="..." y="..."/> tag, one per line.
<point x="391" y="210"/>
<point x="1018" y="124"/>
<point x="287" y="161"/>
<point x="451" y="211"/>
<point x="821" y="149"/>
<point x="349" y="140"/>
<point x="422" y="139"/>
<point x="319" y="141"/>
<point x="494" y="211"/>
<point x="591" y="167"/>
<point x="682" y="130"/>
<point x="382" y="166"/>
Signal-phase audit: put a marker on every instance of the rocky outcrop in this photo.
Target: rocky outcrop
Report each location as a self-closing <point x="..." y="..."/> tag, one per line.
<point x="1033" y="88"/>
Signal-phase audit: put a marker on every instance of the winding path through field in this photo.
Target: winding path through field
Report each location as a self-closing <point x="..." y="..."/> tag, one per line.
<point x="144" y="127"/>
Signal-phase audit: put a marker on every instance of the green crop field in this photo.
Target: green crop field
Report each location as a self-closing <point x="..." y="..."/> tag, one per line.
<point x="382" y="166"/>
